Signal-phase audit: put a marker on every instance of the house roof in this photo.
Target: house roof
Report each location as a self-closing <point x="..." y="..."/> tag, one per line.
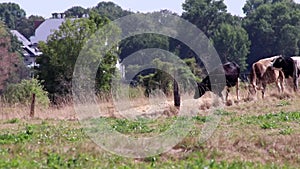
<point x="29" y="50"/>
<point x="46" y="29"/>
<point x="20" y="37"/>
<point x="32" y="51"/>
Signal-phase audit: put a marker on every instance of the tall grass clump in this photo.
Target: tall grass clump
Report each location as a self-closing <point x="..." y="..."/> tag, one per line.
<point x="21" y="93"/>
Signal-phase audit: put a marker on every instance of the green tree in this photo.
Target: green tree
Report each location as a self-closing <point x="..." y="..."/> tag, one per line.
<point x="251" y="5"/>
<point x="143" y="41"/>
<point x="15" y="18"/>
<point x="289" y="40"/>
<point x="21" y="93"/>
<point x="273" y="29"/>
<point x="224" y="30"/>
<point x="26" y="26"/>
<point x="206" y="14"/>
<point x="162" y="77"/>
<point x="232" y="44"/>
<point x="76" y="11"/>
<point x="61" y="52"/>
<point x="110" y="10"/>
<point x="10" y="13"/>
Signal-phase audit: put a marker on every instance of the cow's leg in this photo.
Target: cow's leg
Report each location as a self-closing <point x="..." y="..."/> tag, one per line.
<point x="263" y="89"/>
<point x="258" y="85"/>
<point x="282" y="84"/>
<point x="237" y="90"/>
<point x="227" y="93"/>
<point x="295" y="81"/>
<point x="278" y="85"/>
<point x="294" y="84"/>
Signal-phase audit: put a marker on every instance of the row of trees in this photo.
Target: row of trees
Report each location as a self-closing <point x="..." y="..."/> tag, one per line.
<point x="270" y="27"/>
<point x="273" y="28"/>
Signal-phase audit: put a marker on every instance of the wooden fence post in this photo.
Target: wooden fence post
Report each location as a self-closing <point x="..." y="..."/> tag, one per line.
<point x="32" y="105"/>
<point x="176" y="94"/>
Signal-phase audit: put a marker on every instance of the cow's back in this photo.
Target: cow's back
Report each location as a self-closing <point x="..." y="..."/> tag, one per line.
<point x="259" y="68"/>
<point x="265" y="63"/>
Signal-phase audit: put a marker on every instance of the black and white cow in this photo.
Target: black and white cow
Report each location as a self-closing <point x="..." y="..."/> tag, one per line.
<point x="232" y="73"/>
<point x="290" y="67"/>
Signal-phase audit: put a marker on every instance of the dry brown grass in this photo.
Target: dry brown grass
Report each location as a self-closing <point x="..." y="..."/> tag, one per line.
<point x="230" y="141"/>
<point x="255" y="145"/>
<point x="157" y="105"/>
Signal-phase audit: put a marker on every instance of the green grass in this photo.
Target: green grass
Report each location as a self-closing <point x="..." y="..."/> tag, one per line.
<point x="269" y="121"/>
<point x="64" y="144"/>
<point x="283" y="103"/>
<point x="12" y="121"/>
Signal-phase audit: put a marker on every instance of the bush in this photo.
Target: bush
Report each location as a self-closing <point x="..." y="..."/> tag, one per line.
<point x="22" y="93"/>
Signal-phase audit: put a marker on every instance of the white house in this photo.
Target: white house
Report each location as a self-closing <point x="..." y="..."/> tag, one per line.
<point x="29" y="52"/>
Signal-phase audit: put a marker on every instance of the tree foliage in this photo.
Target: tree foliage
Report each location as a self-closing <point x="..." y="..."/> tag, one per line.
<point x="11" y="13"/>
<point x="225" y="31"/>
<point x="61" y="52"/>
<point x="232" y="44"/>
<point x="21" y="93"/>
<point x="27" y="26"/>
<point x="143" y="41"/>
<point x="111" y="10"/>
<point x="15" y="18"/>
<point x="206" y="14"/>
<point x="76" y="12"/>
<point x="270" y="27"/>
<point x="11" y="67"/>
<point x="273" y="28"/>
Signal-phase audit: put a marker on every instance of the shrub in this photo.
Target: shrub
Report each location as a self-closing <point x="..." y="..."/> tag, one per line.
<point x="22" y="93"/>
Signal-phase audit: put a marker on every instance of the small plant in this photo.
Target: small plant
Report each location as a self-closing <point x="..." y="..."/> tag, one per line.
<point x="13" y="121"/>
<point x="224" y="113"/>
<point x="126" y="126"/>
<point x="201" y="119"/>
<point x="286" y="131"/>
<point x="17" y="138"/>
<point x="268" y="125"/>
<point x="22" y="93"/>
<point x="283" y="103"/>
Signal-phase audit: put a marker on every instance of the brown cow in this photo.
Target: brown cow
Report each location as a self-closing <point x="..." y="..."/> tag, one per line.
<point x="263" y="73"/>
<point x="273" y="75"/>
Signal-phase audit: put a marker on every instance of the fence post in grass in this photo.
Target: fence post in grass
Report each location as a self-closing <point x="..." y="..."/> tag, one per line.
<point x="176" y="94"/>
<point x="32" y="105"/>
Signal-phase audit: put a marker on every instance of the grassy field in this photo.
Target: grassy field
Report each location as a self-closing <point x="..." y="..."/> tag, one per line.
<point x="255" y="134"/>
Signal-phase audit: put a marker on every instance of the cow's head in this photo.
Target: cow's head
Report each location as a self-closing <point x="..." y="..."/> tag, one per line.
<point x="279" y="62"/>
<point x="202" y="88"/>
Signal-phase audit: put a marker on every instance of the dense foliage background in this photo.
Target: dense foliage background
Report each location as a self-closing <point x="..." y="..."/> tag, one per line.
<point x="270" y="27"/>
